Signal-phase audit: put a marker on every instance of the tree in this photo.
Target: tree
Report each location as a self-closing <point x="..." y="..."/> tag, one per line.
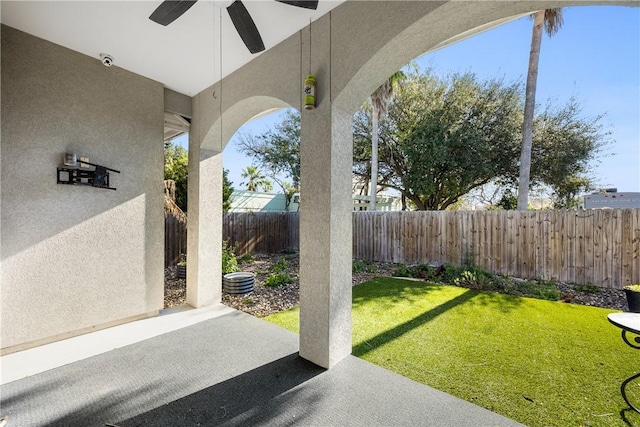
<point x="443" y="138"/>
<point x="379" y="101"/>
<point x="255" y="179"/>
<point x="227" y="190"/>
<point x="176" y="160"/>
<point x="551" y="19"/>
<point x="278" y="153"/>
<point x="563" y="147"/>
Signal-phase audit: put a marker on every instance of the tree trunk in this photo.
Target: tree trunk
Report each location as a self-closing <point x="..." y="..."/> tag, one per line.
<point x="529" y="106"/>
<point x="374" y="157"/>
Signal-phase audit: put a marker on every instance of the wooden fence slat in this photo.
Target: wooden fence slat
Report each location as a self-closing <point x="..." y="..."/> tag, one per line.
<point x="552" y="256"/>
<point x="635" y="263"/>
<point x="607" y="247"/>
<point x="598" y="247"/>
<point x="616" y="269"/>
<point x="588" y="260"/>
<point x="627" y="246"/>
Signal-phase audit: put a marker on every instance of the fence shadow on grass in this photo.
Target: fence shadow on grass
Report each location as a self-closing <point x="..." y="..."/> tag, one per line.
<point x="397" y="331"/>
<point x="412" y="290"/>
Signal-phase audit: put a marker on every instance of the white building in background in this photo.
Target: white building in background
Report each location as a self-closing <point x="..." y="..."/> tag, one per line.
<point x="385" y="201"/>
<point x="612" y="200"/>
<point x="252" y="201"/>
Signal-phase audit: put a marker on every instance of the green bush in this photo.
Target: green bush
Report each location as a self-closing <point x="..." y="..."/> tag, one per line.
<point x="450" y="273"/>
<point x="588" y="288"/>
<point x="538" y="289"/>
<point x="476" y="278"/>
<point x="423" y="271"/>
<point x="401" y="271"/>
<point x="278" y="279"/>
<point x="419" y="271"/>
<point x="363" y="266"/>
<point x="229" y="260"/>
<point x="279" y="267"/>
<point x="246" y="258"/>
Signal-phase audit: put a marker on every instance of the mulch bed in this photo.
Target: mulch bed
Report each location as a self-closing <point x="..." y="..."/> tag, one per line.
<point x="264" y="300"/>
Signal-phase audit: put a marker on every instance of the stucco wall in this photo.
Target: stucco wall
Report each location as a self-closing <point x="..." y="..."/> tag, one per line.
<point x="74" y="258"/>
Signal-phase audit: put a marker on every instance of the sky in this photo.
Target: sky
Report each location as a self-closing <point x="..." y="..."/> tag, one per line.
<point x="595" y="57"/>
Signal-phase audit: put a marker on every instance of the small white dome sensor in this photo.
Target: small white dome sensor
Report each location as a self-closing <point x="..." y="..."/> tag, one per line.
<point x="107" y="60"/>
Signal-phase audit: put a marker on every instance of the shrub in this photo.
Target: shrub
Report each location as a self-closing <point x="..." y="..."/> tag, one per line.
<point x="246" y="258"/>
<point x="590" y="288"/>
<point x="363" y="266"/>
<point x="401" y="271"/>
<point x="278" y="279"/>
<point x="476" y="278"/>
<point x="540" y="290"/>
<point x="279" y="267"/>
<point x="182" y="261"/>
<point x="449" y="273"/>
<point x="419" y="271"/>
<point x="229" y="260"/>
<point x="423" y="271"/>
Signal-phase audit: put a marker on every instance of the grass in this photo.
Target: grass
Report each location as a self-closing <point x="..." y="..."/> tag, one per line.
<point x="541" y="363"/>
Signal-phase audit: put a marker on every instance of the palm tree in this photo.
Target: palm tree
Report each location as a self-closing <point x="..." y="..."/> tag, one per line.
<point x="551" y="19"/>
<point x="255" y="179"/>
<point x="379" y="100"/>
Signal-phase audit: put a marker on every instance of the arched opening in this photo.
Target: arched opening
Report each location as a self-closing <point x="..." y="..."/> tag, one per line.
<point x="206" y="188"/>
<point x="576" y="63"/>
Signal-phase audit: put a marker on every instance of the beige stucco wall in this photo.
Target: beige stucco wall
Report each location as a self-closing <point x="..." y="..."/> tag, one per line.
<point x="75" y="258"/>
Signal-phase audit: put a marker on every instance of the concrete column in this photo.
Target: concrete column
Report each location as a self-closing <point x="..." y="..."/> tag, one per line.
<point x="325" y="235"/>
<point x="204" y="227"/>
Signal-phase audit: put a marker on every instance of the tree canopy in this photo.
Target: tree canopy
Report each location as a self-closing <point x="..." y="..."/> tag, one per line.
<point x="176" y="161"/>
<point x="444" y="137"/>
<point x="255" y="179"/>
<point x="277" y="151"/>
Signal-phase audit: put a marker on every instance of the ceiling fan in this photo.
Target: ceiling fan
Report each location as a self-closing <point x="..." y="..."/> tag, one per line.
<point x="169" y="11"/>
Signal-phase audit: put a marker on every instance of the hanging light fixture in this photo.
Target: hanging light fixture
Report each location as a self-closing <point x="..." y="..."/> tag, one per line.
<point x="310" y="82"/>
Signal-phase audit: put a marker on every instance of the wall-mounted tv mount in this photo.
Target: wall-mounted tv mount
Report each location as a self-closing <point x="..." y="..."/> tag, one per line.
<point x="82" y="172"/>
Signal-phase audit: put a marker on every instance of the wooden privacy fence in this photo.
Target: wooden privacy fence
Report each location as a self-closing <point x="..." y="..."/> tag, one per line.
<point x="175" y="233"/>
<point x="261" y="232"/>
<point x="589" y="246"/>
<point x="599" y="246"/>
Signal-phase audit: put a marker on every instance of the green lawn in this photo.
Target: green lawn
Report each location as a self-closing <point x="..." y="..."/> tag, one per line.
<point x="538" y="362"/>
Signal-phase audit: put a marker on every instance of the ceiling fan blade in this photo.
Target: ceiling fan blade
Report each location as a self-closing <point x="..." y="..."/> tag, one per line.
<point x="307" y="4"/>
<point x="245" y="26"/>
<point x="169" y="11"/>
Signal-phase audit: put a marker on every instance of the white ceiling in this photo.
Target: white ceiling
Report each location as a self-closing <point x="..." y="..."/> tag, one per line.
<point x="184" y="56"/>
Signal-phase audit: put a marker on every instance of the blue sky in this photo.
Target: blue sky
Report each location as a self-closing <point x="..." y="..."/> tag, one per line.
<point x="595" y="57"/>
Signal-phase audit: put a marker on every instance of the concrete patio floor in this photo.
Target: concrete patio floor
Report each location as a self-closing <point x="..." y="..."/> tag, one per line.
<point x="212" y="366"/>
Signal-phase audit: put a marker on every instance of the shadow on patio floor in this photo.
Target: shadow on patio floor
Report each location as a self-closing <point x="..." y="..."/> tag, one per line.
<point x="249" y="398"/>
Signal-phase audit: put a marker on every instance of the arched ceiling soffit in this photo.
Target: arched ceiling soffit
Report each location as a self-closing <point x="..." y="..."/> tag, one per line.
<point x="442" y="24"/>
<point x="237" y="115"/>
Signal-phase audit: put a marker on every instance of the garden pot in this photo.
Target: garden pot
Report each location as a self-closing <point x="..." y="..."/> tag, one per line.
<point x="633" y="300"/>
<point x="182" y="271"/>
<point x="238" y="283"/>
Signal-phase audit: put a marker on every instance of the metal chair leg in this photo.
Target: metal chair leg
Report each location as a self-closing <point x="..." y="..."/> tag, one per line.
<point x="624" y="394"/>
